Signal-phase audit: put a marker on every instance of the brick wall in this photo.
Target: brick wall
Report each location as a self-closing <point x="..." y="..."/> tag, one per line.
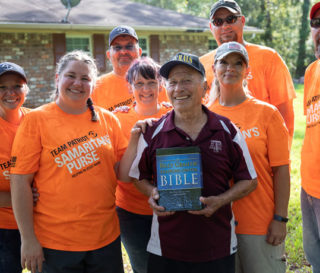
<point x="172" y="44"/>
<point x="33" y="51"/>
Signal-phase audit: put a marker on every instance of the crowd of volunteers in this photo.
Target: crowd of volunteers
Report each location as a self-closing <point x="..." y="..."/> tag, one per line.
<point x="79" y="174"/>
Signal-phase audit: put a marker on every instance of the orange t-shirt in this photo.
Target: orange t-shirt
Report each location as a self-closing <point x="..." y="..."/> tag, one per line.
<point x="266" y="135"/>
<point x="310" y="153"/>
<point x="7" y="133"/>
<point x="127" y="196"/>
<point x="112" y="91"/>
<point x="73" y="161"/>
<point x="269" y="79"/>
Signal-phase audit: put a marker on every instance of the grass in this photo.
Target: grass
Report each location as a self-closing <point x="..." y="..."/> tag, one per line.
<point x="126" y="261"/>
<point x="294" y="249"/>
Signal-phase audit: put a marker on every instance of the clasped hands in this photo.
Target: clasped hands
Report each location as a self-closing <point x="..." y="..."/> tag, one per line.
<point x="211" y="205"/>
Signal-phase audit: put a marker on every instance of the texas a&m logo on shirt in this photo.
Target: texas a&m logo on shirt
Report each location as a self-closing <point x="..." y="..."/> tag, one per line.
<point x="215" y="146"/>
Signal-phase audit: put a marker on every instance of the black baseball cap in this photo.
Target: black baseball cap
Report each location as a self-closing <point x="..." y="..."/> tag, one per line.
<point x="12" y="67"/>
<point x="230" y="5"/>
<point x="122" y="30"/>
<point x="182" y="58"/>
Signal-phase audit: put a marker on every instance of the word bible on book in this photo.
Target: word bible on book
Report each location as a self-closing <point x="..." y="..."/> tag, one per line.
<point x="179" y="178"/>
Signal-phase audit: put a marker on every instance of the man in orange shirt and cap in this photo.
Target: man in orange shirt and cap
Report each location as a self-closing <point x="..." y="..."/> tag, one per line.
<point x="112" y="90"/>
<point x="269" y="79"/>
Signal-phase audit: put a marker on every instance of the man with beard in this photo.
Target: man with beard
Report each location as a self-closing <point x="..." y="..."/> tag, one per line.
<point x="310" y="154"/>
<point x="111" y="90"/>
<point x="269" y="79"/>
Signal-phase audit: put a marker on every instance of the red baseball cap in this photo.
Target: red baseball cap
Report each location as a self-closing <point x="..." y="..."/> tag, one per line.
<point x="314" y="9"/>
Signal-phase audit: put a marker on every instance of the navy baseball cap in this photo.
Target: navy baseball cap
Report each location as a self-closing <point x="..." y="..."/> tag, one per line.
<point x="230" y="5"/>
<point x="231" y="47"/>
<point x="12" y="67"/>
<point x="122" y="30"/>
<point x="182" y="58"/>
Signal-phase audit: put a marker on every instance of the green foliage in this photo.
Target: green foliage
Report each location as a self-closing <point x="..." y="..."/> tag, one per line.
<point x="303" y="35"/>
<point x="285" y="29"/>
<point x="294" y="248"/>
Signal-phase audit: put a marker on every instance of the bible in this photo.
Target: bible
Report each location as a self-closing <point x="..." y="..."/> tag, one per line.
<point x="179" y="178"/>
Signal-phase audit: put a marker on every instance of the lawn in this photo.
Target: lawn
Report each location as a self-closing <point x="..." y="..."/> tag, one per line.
<point x="294" y="250"/>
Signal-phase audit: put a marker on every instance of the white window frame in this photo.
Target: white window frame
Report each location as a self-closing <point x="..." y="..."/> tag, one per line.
<point x="81" y="36"/>
<point x="147" y="50"/>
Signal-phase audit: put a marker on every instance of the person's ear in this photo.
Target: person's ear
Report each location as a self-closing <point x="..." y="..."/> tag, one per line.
<point x="140" y="51"/>
<point x="57" y="79"/>
<point x="205" y="88"/>
<point x="243" y="20"/>
<point x="214" y="69"/>
<point x="108" y="54"/>
<point x="211" y="26"/>
<point x="247" y="71"/>
<point x="130" y="88"/>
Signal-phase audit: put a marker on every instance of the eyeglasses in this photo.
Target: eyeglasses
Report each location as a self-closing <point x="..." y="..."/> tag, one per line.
<point x="149" y="85"/>
<point x="231" y="19"/>
<point x="126" y="47"/>
<point x="315" y="22"/>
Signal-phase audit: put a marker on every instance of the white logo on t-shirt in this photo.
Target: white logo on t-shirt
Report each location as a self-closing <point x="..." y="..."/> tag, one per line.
<point x="215" y="145"/>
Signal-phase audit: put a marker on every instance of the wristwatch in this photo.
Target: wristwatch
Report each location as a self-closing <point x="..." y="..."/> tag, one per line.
<point x="280" y="218"/>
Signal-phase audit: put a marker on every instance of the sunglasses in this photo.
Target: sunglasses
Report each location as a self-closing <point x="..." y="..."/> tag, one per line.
<point x="315" y="22"/>
<point x="231" y="19"/>
<point x="126" y="47"/>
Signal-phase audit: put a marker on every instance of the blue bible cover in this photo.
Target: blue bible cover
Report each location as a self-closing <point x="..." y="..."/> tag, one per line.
<point x="179" y="178"/>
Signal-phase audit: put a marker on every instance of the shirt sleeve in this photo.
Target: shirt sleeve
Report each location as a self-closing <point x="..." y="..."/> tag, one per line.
<point x="141" y="167"/>
<point x="121" y="142"/>
<point x="280" y="85"/>
<point x="242" y="165"/>
<point x="27" y="147"/>
<point x="307" y="81"/>
<point x="278" y="141"/>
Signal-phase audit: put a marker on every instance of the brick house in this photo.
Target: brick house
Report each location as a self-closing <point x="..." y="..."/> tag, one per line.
<point x="33" y="34"/>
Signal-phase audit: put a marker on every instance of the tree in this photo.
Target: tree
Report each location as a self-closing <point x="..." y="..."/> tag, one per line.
<point x="303" y="35"/>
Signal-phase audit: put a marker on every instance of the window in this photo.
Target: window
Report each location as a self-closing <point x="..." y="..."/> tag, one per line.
<point x="212" y="44"/>
<point x="82" y="43"/>
<point x="143" y="43"/>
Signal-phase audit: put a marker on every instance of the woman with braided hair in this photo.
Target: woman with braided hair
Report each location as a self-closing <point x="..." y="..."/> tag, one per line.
<point x="70" y="149"/>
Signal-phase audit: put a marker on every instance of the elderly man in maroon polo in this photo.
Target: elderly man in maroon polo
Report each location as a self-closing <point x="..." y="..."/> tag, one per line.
<point x="204" y="240"/>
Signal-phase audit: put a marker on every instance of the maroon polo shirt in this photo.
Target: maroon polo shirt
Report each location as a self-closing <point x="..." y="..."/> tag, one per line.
<point x="225" y="156"/>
